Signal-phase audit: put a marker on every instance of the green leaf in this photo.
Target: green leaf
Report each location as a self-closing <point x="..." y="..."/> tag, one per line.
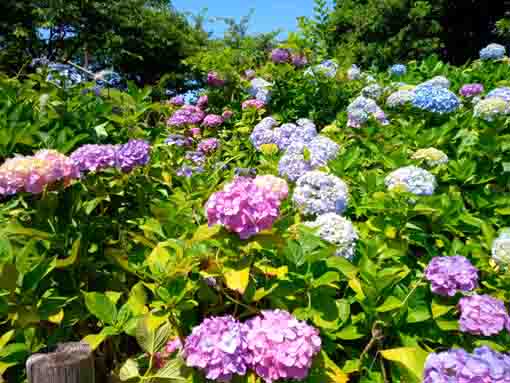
<point x="170" y="372"/>
<point x="9" y="277"/>
<point x="327" y="278"/>
<point x="417" y="314"/>
<point x="100" y="306"/>
<point x="412" y="358"/>
<point x="152" y="339"/>
<point x="391" y="303"/>
<point x="94" y="340"/>
<point x="439" y="309"/>
<point x="502" y="211"/>
<point x="4" y="339"/>
<point x="101" y="131"/>
<point x="129" y="370"/>
<point x="38" y="273"/>
<point x="206" y="232"/>
<point x="447" y="325"/>
<point x="324" y="370"/>
<point x="62" y="263"/>
<point x="349" y="332"/>
<point x="137" y="299"/>
<point x="342" y="265"/>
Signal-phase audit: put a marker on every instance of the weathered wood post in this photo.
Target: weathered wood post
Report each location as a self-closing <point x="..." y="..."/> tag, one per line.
<point x="69" y="363"/>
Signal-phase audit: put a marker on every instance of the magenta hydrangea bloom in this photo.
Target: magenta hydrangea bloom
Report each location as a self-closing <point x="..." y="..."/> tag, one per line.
<point x="212" y="121"/>
<point x="203" y="101"/>
<point x="208" y="145"/>
<point x="187" y="115"/>
<point x="91" y="158"/>
<point x="243" y="207"/>
<point x="281" y="346"/>
<point x="214" y="79"/>
<point x="471" y="90"/>
<point x="299" y="60"/>
<point x="177" y="100"/>
<point x="448" y="275"/>
<point x="218" y="347"/>
<point x="132" y="154"/>
<point x="483" y="315"/>
<point x="280" y="55"/>
<point x="253" y="103"/>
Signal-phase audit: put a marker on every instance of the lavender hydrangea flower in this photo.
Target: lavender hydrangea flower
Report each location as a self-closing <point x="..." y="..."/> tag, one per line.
<point x="336" y="230"/>
<point x="281" y="346"/>
<point x="501" y="248"/>
<point x="214" y="79"/>
<point x="322" y="150"/>
<point x="202" y="102"/>
<point x="197" y="157"/>
<point x="91" y="158"/>
<point x="218" y="346"/>
<point x="177" y="100"/>
<point x="253" y="104"/>
<point x="178" y="140"/>
<point x="492" y="52"/>
<point x="260" y="89"/>
<point x="400" y="98"/>
<point x="412" y="179"/>
<point x="435" y="99"/>
<point x="194" y="132"/>
<point x="227" y="114"/>
<point x="483" y="315"/>
<point x="280" y="55"/>
<point x="354" y="73"/>
<point x="501" y="92"/>
<point x="250" y="73"/>
<point x="445" y="366"/>
<point x="188" y="171"/>
<point x="265" y="133"/>
<point x="432" y="156"/>
<point x="471" y="90"/>
<point x="208" y="145"/>
<point x="361" y="109"/>
<point x="319" y="193"/>
<point x="132" y="154"/>
<point x="491" y="108"/>
<point x="373" y="91"/>
<point x="448" y="275"/>
<point x="293" y="163"/>
<point x="299" y="60"/>
<point x="212" y="121"/>
<point x="187" y="115"/>
<point x="398" y="70"/>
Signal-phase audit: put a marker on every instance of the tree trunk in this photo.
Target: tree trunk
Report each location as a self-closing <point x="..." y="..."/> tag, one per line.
<point x="68" y="363"/>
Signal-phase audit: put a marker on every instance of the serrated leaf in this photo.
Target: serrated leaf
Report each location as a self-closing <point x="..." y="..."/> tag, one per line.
<point x="94" y="340"/>
<point x="150" y="338"/>
<point x="349" y="332"/>
<point x="412" y="358"/>
<point x="170" y="372"/>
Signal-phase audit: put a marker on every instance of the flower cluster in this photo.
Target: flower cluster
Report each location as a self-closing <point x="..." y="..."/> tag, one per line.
<point x="398" y="70"/>
<point x="178" y="140"/>
<point x="471" y="90"/>
<point x="187" y="171"/>
<point x="448" y="275"/>
<point x="328" y="68"/>
<point x="458" y="366"/>
<point x="412" y="179"/>
<point x="299" y="60"/>
<point x="303" y="130"/>
<point x="432" y="156"/>
<point x="212" y="121"/>
<point x="437" y="81"/>
<point x="253" y="104"/>
<point x="435" y="99"/>
<point x="203" y="101"/>
<point x="187" y="115"/>
<point x="400" y="98"/>
<point x="280" y="55"/>
<point x="132" y="154"/>
<point x="218" y="346"/>
<point x="354" y="73"/>
<point x="227" y="114"/>
<point x="319" y="193"/>
<point x="361" y="109"/>
<point x="280" y="346"/>
<point x="491" y="108"/>
<point x="214" y="79"/>
<point x="337" y="230"/>
<point x="243" y="207"/>
<point x="501" y="248"/>
<point x="275" y="186"/>
<point x="208" y="145"/>
<point x="501" y="92"/>
<point x="493" y="52"/>
<point x="250" y="73"/>
<point x="177" y="100"/>
<point x="91" y="158"/>
<point x="373" y="91"/>
<point x="33" y="173"/>
<point x="260" y="89"/>
<point x="483" y="315"/>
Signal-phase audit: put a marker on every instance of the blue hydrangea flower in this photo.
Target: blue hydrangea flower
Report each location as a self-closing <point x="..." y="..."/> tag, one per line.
<point x="412" y="179"/>
<point x="493" y="52"/>
<point x="435" y="99"/>
<point x="373" y="91"/>
<point x="354" y="73"/>
<point x="267" y="132"/>
<point x="260" y="89"/>
<point x="398" y="70"/>
<point x="361" y="109"/>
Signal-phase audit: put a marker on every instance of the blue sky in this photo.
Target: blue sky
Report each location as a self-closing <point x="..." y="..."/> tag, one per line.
<point x="269" y="14"/>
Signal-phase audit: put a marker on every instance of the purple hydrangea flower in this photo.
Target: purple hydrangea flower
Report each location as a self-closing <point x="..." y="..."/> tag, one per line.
<point x="483" y="315"/>
<point x="361" y="109"/>
<point x="275" y="187"/>
<point x="280" y="55"/>
<point x="212" y="121"/>
<point x="178" y="140"/>
<point x="299" y="60"/>
<point x="227" y="114"/>
<point x="260" y="89"/>
<point x="412" y="179"/>
<point x="132" y="154"/>
<point x="471" y="90"/>
<point x="187" y="171"/>
<point x="445" y="366"/>
<point x="91" y="158"/>
<point x="208" y="145"/>
<point x="177" y="100"/>
<point x="294" y="163"/>
<point x="187" y="115"/>
<point x="194" y="132"/>
<point x="214" y="79"/>
<point x="253" y="104"/>
<point x="265" y="133"/>
<point x="218" y="347"/>
<point x="197" y="157"/>
<point x="281" y="346"/>
<point x="203" y="101"/>
<point x="448" y="275"/>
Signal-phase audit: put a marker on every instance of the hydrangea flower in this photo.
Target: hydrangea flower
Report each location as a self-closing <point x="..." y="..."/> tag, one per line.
<point x="260" y="89"/>
<point x="412" y="179"/>
<point x="219" y="347"/>
<point x="501" y="92"/>
<point x="319" y="193"/>
<point x="437" y="81"/>
<point x="214" y="79"/>
<point x="197" y="157"/>
<point x="250" y="73"/>
<point x="398" y="70"/>
<point x="458" y="366"/>
<point x="188" y="114"/>
<point x="322" y="150"/>
<point x="299" y="60"/>
<point x="432" y="156"/>
<point x="227" y="114"/>
<point x="91" y="158"/>
<point x="203" y="101"/>
<point x="212" y="121"/>
<point x="336" y="230"/>
<point x="373" y="91"/>
<point x="361" y="109"/>
<point x="178" y="140"/>
<point x="265" y="133"/>
<point x="273" y="185"/>
<point x="177" y="100"/>
<point x="400" y="98"/>
<point x="194" y="132"/>
<point x="491" y="108"/>
<point x="354" y="73"/>
<point x="281" y="347"/>
<point x="132" y="154"/>
<point x="328" y="68"/>
<point x="187" y="171"/>
<point x="280" y="55"/>
<point x="492" y="52"/>
<point x="483" y="315"/>
<point x="471" y="90"/>
<point x="253" y="104"/>
<point x="501" y="248"/>
<point x="448" y="275"/>
<point x="435" y="99"/>
<point x="33" y="173"/>
<point x="243" y="207"/>
<point x="208" y="145"/>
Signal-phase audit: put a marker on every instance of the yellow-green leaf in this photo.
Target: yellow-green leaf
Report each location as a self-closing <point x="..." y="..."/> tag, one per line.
<point x="439" y="310"/>
<point x="206" y="232"/>
<point x="237" y="280"/>
<point x="412" y="358"/>
<point x="269" y="149"/>
<point x="4" y="339"/>
<point x="61" y="263"/>
<point x="56" y="318"/>
<point x="278" y="272"/>
<point x="391" y="303"/>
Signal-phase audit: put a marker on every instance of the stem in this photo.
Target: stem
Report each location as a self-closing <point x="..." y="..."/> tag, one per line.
<point x="174" y="323"/>
<point x="383" y="370"/>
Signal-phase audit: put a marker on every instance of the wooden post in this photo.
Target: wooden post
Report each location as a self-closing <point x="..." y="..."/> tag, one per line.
<point x="68" y="363"/>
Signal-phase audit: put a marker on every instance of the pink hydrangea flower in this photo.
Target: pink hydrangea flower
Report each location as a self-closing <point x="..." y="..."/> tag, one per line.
<point x="272" y="184"/>
<point x="253" y="103"/>
<point x="212" y="121"/>
<point x="203" y="101"/>
<point x="483" y="315"/>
